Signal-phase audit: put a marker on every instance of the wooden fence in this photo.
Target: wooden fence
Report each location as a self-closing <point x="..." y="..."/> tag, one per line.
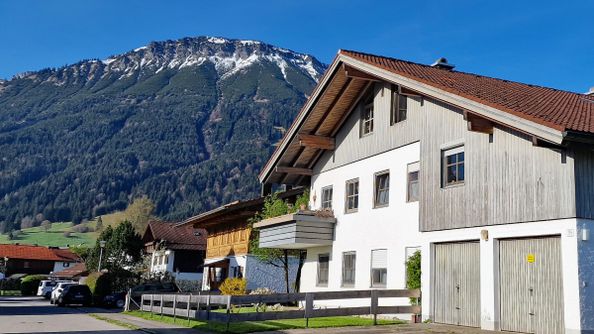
<point x="224" y="308"/>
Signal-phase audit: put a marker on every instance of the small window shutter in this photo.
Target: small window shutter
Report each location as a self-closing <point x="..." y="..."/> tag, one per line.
<point x="379" y="258"/>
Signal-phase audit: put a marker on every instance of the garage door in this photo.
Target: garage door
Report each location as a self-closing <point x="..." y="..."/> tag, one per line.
<point x="531" y="285"/>
<point x="456" y="282"/>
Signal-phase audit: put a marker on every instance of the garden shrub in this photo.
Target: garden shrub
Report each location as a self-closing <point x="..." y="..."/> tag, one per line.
<point x="99" y="284"/>
<point x="29" y="284"/>
<point x="413" y="273"/>
<point x="233" y="286"/>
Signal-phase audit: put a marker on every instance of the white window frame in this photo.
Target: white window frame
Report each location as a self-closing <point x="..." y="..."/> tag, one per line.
<point x="376" y="189"/>
<point x="383" y="267"/>
<point x="318" y="282"/>
<point x="413" y="168"/>
<point x="354" y="195"/>
<point x="445" y="153"/>
<point x="327" y="203"/>
<point x="349" y="284"/>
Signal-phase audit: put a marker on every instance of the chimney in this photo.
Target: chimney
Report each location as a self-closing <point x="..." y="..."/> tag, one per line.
<point x="443" y="64"/>
<point x="590" y="92"/>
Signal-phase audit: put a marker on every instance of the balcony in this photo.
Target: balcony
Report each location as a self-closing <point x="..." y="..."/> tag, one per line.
<point x="300" y="230"/>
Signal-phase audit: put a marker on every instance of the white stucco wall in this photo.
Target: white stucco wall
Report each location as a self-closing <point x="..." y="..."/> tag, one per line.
<point x="566" y="228"/>
<point x="59" y="265"/>
<point x="394" y="227"/>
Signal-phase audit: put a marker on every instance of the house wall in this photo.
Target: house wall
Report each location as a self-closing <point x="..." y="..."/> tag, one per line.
<point x="584" y="181"/>
<point x="508" y="180"/>
<point x="20" y="266"/>
<point x="59" y="265"/>
<point x="586" y="273"/>
<point x="489" y="276"/>
<point x="394" y="227"/>
<point x="228" y="239"/>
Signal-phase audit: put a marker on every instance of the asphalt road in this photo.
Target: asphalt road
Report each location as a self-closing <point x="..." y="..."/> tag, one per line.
<point x="36" y="315"/>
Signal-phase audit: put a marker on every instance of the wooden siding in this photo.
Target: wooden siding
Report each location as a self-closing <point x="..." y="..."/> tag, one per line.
<point x="296" y="234"/>
<point x="228" y="239"/>
<point x="507" y="179"/>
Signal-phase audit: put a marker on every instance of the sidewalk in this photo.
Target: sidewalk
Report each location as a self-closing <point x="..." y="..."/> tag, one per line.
<point x="390" y="329"/>
<point x="149" y="326"/>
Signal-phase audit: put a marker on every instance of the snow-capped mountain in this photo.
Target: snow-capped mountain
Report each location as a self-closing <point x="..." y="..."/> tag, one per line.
<point x="229" y="56"/>
<point x="189" y="123"/>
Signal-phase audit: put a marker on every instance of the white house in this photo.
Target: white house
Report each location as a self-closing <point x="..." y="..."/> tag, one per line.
<point x="177" y="251"/>
<point x="492" y="180"/>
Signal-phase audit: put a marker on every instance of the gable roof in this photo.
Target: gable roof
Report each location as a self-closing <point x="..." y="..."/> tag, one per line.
<point x="31" y="252"/>
<point x="176" y="237"/>
<point x="77" y="270"/>
<point x="547" y="114"/>
<point x="558" y="109"/>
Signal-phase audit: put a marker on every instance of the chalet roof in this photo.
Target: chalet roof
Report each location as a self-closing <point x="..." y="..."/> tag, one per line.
<point x="546" y="114"/>
<point x="235" y="211"/>
<point x="558" y="109"/>
<point x="176" y="237"/>
<point x="77" y="270"/>
<point x="42" y="253"/>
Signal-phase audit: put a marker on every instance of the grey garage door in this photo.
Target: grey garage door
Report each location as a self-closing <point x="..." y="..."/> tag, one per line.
<point x="531" y="285"/>
<point x="456" y="282"/>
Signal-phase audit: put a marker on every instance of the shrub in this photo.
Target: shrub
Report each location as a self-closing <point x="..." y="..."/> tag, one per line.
<point x="413" y="273"/>
<point x="29" y="284"/>
<point x="233" y="286"/>
<point x="99" y="284"/>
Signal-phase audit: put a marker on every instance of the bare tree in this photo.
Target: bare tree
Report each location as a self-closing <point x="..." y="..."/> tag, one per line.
<point x="27" y="222"/>
<point x="46" y="225"/>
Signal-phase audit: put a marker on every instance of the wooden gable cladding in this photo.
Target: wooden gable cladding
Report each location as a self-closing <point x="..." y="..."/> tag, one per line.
<point x="227" y="239"/>
<point x="316" y="134"/>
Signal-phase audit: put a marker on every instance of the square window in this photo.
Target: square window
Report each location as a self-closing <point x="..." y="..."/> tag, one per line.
<point x="352" y="195"/>
<point x="323" y="269"/>
<point x="382" y="189"/>
<point x="413" y="190"/>
<point x="327" y="197"/>
<point x="349" y="260"/>
<point x="453" y="166"/>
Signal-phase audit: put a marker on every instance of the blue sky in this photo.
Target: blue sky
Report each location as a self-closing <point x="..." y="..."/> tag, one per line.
<point x="547" y="43"/>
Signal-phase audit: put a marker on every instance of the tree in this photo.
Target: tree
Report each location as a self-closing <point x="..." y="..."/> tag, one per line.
<point x="140" y="212"/>
<point x="39" y="218"/>
<point x="413" y="273"/>
<point x="121" y="255"/>
<point x="46" y="225"/>
<point x="26" y="222"/>
<point x="99" y="224"/>
<point x="274" y="207"/>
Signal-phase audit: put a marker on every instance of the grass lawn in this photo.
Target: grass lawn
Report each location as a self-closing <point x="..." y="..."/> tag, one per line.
<point x="260" y="326"/>
<point x="53" y="237"/>
<point x="13" y="293"/>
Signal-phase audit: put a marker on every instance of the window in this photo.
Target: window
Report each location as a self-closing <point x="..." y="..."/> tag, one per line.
<point x="237" y="271"/>
<point x="65" y="264"/>
<point x="323" y="266"/>
<point x="382" y="189"/>
<point x="412" y="192"/>
<point x="166" y="257"/>
<point x="379" y="271"/>
<point x="367" y="114"/>
<point x="399" y="106"/>
<point x="453" y="166"/>
<point x="352" y="195"/>
<point x="349" y="260"/>
<point x="26" y="265"/>
<point x="327" y="197"/>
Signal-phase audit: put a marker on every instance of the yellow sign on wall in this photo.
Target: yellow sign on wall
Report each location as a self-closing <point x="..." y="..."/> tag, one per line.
<point x="530" y="258"/>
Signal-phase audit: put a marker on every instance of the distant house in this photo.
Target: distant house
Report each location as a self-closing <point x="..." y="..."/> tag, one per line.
<point x="74" y="272"/>
<point x="30" y="259"/>
<point x="178" y="251"/>
<point x="227" y="252"/>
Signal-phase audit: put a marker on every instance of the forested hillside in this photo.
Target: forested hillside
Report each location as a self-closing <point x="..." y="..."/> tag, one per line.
<point x="188" y="123"/>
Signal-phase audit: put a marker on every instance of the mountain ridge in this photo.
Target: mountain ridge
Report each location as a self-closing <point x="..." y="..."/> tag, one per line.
<point x="187" y="122"/>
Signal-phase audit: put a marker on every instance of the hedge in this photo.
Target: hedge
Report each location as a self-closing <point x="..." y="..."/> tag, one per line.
<point x="29" y="284"/>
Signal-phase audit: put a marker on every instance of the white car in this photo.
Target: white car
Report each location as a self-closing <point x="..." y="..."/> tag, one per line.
<point x="46" y="286"/>
<point x="58" y="290"/>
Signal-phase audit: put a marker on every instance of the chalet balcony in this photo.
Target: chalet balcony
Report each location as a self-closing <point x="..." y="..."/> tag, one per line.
<point x="300" y="230"/>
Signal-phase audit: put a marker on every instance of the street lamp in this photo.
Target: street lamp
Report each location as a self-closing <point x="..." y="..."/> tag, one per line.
<point x="101" y="245"/>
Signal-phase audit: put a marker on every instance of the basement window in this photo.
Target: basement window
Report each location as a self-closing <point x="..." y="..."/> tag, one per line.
<point x="453" y="166"/>
<point x="349" y="260"/>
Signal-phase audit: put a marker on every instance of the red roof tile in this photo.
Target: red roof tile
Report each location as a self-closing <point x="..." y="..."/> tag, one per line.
<point x="557" y="109"/>
<point x="77" y="270"/>
<point x="177" y="237"/>
<point x="30" y="252"/>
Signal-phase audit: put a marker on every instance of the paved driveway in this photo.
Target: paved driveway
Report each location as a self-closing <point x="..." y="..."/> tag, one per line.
<point x="36" y="315"/>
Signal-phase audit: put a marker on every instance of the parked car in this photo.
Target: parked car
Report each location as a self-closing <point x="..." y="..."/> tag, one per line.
<point x="116" y="299"/>
<point x="58" y="290"/>
<point x="75" y="294"/>
<point x="148" y="288"/>
<point x="46" y="286"/>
